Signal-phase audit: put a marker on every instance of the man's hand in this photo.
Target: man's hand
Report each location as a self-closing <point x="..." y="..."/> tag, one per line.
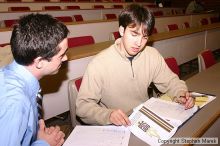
<point x="52" y="135"/>
<point x="187" y="100"/>
<point x="118" y="117"/>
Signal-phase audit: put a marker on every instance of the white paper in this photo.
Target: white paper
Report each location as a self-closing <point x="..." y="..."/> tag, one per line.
<point x="171" y="111"/>
<point x="98" y="136"/>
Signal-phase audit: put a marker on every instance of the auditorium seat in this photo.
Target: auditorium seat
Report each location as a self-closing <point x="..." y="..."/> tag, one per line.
<point x="114" y="35"/>
<point x="65" y="18"/>
<point x="98" y="7"/>
<point x="80" y="41"/>
<point x="78" y="18"/>
<point x="13" y="1"/>
<point x="51" y="8"/>
<point x="154" y="31"/>
<point x="172" y="64"/>
<point x="186" y="25"/>
<point x="204" y="21"/>
<point x="171" y="27"/>
<point x="214" y="20"/>
<point x="42" y="0"/>
<point x="72" y="7"/>
<point x="206" y="59"/>
<point x="110" y="16"/>
<point x="10" y="23"/>
<point x="67" y="0"/>
<point x="117" y="1"/>
<point x="158" y="13"/>
<point x="118" y="6"/>
<point x="83" y="0"/>
<point x="18" y="9"/>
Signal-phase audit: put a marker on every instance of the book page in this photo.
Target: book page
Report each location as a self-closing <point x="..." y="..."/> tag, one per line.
<point x="98" y="136"/>
<point x="170" y="110"/>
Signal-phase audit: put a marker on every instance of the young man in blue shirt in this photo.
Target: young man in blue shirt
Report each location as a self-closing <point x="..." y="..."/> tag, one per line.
<point x="39" y="45"/>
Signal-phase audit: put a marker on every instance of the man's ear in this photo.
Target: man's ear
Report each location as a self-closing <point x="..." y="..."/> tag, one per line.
<point x="38" y="62"/>
<point x="121" y="30"/>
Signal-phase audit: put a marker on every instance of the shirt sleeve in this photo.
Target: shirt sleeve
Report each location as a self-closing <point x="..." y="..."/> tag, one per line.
<point x="88" y="106"/>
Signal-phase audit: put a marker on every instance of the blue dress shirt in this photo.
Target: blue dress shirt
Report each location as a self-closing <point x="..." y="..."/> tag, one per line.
<point x="18" y="107"/>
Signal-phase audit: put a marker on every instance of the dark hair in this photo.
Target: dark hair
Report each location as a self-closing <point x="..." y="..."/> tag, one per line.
<point x="135" y="14"/>
<point x="36" y="35"/>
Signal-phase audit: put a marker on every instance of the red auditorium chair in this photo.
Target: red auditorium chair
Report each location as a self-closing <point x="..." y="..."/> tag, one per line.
<point x="78" y="18"/>
<point x="80" y="41"/>
<point x="214" y="20"/>
<point x="73" y="89"/>
<point x="206" y="59"/>
<point x="172" y="64"/>
<point x="110" y="16"/>
<point x="67" y="0"/>
<point x="117" y="1"/>
<point x="154" y="31"/>
<point x="18" y="9"/>
<point x="158" y="13"/>
<point x="65" y="18"/>
<point x="13" y="1"/>
<point x="41" y="0"/>
<point x="171" y="27"/>
<point x="72" y="7"/>
<point x="118" y="6"/>
<point x="114" y="35"/>
<point x="51" y="8"/>
<point x="10" y="23"/>
<point x="186" y="25"/>
<point x="204" y="21"/>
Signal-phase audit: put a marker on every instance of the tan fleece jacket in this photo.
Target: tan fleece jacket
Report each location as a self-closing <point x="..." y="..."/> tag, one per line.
<point x="112" y="81"/>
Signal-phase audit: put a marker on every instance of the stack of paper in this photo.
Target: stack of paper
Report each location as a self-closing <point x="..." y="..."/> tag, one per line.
<point x="158" y="119"/>
<point x="98" y="136"/>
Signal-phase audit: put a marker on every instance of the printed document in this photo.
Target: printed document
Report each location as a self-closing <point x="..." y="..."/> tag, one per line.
<point x="98" y="136"/>
<point x="158" y="119"/>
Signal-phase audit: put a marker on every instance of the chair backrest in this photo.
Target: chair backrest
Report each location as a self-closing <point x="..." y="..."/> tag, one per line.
<point x="10" y="23"/>
<point x="171" y="27"/>
<point x="51" y="8"/>
<point x="114" y="35"/>
<point x="154" y="31"/>
<point x="72" y="7"/>
<point x="204" y="21"/>
<point x="172" y="64"/>
<point x="186" y="25"/>
<point x="67" y="0"/>
<point x="118" y="6"/>
<point x="78" y="18"/>
<point x="98" y="7"/>
<point x="206" y="59"/>
<point x="214" y="19"/>
<point x="18" y="9"/>
<point x="80" y="41"/>
<point x="110" y="16"/>
<point x="65" y="18"/>
<point x="158" y="13"/>
<point x="73" y="88"/>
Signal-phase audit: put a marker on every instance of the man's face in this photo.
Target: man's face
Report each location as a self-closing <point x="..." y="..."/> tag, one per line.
<point x="52" y="66"/>
<point x="133" y="39"/>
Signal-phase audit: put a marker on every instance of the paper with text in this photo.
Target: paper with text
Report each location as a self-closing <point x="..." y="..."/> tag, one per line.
<point x="98" y="136"/>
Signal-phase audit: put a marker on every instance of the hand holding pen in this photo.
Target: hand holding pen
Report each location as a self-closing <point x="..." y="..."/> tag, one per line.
<point x="187" y="100"/>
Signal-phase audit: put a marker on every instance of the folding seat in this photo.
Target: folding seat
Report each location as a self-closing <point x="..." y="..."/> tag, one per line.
<point x="110" y="16"/>
<point x="114" y="35"/>
<point x="171" y="27"/>
<point x="204" y="21"/>
<point x="10" y="23"/>
<point x="154" y="31"/>
<point x="18" y="9"/>
<point x="158" y="13"/>
<point x="72" y="7"/>
<point x="51" y="8"/>
<point x="186" y="25"/>
<point x="206" y="59"/>
<point x="73" y="89"/>
<point x="118" y="6"/>
<point x="65" y="18"/>
<point x="214" y="20"/>
<point x="172" y="64"/>
<point x="78" y="18"/>
<point x="80" y="41"/>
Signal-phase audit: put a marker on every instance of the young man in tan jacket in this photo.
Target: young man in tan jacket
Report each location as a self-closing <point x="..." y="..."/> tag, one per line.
<point x="116" y="80"/>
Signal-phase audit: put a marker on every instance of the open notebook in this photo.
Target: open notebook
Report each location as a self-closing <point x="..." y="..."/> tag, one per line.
<point x="158" y="119"/>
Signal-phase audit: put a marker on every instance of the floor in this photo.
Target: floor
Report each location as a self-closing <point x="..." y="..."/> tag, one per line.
<point x="64" y="121"/>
